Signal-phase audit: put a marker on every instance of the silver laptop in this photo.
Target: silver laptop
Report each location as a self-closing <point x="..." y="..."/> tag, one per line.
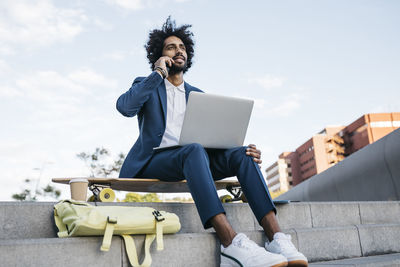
<point x="215" y="121"/>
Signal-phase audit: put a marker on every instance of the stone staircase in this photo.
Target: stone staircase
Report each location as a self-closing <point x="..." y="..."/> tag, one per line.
<point x="328" y="233"/>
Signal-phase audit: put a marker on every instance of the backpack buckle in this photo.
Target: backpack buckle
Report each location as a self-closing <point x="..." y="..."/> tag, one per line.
<point x="112" y="220"/>
<point x="159" y="217"/>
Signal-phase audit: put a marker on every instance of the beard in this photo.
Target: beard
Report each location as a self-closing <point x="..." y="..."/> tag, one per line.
<point x="176" y="69"/>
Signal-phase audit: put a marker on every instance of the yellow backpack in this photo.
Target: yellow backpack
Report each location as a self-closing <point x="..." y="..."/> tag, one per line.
<point x="77" y="218"/>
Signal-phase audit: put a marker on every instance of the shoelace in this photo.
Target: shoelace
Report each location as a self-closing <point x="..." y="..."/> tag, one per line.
<point x="244" y="242"/>
<point x="285" y="243"/>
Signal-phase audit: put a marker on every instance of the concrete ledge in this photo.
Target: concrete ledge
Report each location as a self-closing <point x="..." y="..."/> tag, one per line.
<point x="331" y="214"/>
<point x="190" y="249"/>
<point x="27" y="220"/>
<point x="294" y="215"/>
<point x="78" y="251"/>
<point x="389" y="260"/>
<point x="379" y="239"/>
<point x="321" y="244"/>
<point x="35" y="219"/>
<point x="180" y="250"/>
<point x="377" y="212"/>
<point x="202" y="250"/>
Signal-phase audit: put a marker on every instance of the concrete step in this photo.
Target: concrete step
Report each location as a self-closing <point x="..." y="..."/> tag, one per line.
<point x="388" y="260"/>
<point x="200" y="249"/>
<point x="35" y="219"/>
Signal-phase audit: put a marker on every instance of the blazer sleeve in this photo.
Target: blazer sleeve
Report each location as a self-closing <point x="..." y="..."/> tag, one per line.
<point x="130" y="103"/>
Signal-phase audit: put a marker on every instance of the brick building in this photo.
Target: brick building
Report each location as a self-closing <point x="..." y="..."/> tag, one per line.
<point x="327" y="148"/>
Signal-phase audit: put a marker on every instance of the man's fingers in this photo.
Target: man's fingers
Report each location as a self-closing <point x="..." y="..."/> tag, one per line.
<point x="168" y="61"/>
<point x="258" y="161"/>
<point x="252" y="150"/>
<point x="253" y="154"/>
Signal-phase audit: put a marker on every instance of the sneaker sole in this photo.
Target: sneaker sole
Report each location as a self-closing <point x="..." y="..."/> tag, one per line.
<point x="297" y="263"/>
<point x="233" y="262"/>
<point x="282" y="264"/>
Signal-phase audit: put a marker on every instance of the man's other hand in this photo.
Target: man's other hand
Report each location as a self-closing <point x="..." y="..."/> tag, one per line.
<point x="255" y="153"/>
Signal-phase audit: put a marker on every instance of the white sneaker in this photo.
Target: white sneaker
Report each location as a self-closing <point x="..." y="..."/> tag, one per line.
<point x="283" y="245"/>
<point x="245" y="253"/>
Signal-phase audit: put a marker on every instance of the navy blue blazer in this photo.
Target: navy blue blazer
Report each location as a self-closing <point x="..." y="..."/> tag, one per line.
<point x="147" y="98"/>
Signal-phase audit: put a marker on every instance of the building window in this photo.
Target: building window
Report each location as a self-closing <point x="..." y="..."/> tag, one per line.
<point x="381" y="124"/>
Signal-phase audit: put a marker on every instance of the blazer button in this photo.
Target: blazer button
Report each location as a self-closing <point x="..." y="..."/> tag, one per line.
<point x="160" y="134"/>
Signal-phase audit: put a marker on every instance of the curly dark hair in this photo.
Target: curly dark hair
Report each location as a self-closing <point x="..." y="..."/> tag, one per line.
<point x="155" y="44"/>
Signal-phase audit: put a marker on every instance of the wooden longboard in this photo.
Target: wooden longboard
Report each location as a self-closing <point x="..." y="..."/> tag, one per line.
<point x="96" y="185"/>
<point x="146" y="185"/>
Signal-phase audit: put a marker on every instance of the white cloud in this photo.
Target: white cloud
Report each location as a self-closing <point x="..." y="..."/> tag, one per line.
<point x="102" y="24"/>
<point x="287" y="106"/>
<point x="8" y="91"/>
<point x="4" y="67"/>
<point x="37" y="23"/>
<point x="141" y="4"/>
<point x="89" y="77"/>
<point x="50" y="86"/>
<point x="258" y="102"/>
<point x="267" y="81"/>
<point x="58" y="94"/>
<point x="128" y="4"/>
<point x="122" y="55"/>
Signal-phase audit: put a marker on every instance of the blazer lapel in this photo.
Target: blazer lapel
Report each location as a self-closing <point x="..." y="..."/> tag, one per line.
<point x="187" y="91"/>
<point x="162" y="92"/>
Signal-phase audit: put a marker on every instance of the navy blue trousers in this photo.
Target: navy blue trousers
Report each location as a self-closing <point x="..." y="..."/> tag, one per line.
<point x="200" y="167"/>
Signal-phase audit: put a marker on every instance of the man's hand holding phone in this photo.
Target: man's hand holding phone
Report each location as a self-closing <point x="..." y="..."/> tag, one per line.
<point x="162" y="66"/>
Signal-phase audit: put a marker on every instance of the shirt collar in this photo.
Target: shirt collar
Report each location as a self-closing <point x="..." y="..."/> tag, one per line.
<point x="169" y="86"/>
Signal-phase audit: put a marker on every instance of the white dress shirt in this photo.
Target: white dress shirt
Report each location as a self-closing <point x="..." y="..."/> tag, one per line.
<point x="176" y="106"/>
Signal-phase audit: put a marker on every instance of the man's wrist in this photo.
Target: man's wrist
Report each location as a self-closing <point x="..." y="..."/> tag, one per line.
<point x="161" y="71"/>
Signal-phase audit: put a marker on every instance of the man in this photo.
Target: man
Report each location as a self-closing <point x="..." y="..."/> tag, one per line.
<point x="159" y="101"/>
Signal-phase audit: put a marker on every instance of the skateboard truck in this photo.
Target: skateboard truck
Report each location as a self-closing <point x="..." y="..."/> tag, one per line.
<point x="102" y="193"/>
<point x="236" y="192"/>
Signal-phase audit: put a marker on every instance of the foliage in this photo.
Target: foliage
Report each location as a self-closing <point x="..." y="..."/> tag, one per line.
<point x="96" y="162"/>
<point x="182" y="199"/>
<point x="135" y="197"/>
<point x="31" y="195"/>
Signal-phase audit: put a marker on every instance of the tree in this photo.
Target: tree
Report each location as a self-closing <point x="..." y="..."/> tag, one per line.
<point x="151" y="197"/>
<point x="31" y="195"/>
<point x="97" y="162"/>
<point x="135" y="197"/>
<point x="101" y="164"/>
<point x="132" y="197"/>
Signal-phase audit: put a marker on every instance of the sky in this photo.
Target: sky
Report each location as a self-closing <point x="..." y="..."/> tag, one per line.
<point x="307" y="64"/>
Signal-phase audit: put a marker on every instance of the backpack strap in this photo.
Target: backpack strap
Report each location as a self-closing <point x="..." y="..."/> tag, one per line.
<point x="159" y="228"/>
<point x="131" y="250"/>
<point x="111" y="221"/>
<point x="159" y="233"/>
<point x="62" y="229"/>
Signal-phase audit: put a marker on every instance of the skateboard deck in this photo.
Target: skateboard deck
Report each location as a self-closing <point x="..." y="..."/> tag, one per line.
<point x="101" y="187"/>
<point x="146" y="185"/>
